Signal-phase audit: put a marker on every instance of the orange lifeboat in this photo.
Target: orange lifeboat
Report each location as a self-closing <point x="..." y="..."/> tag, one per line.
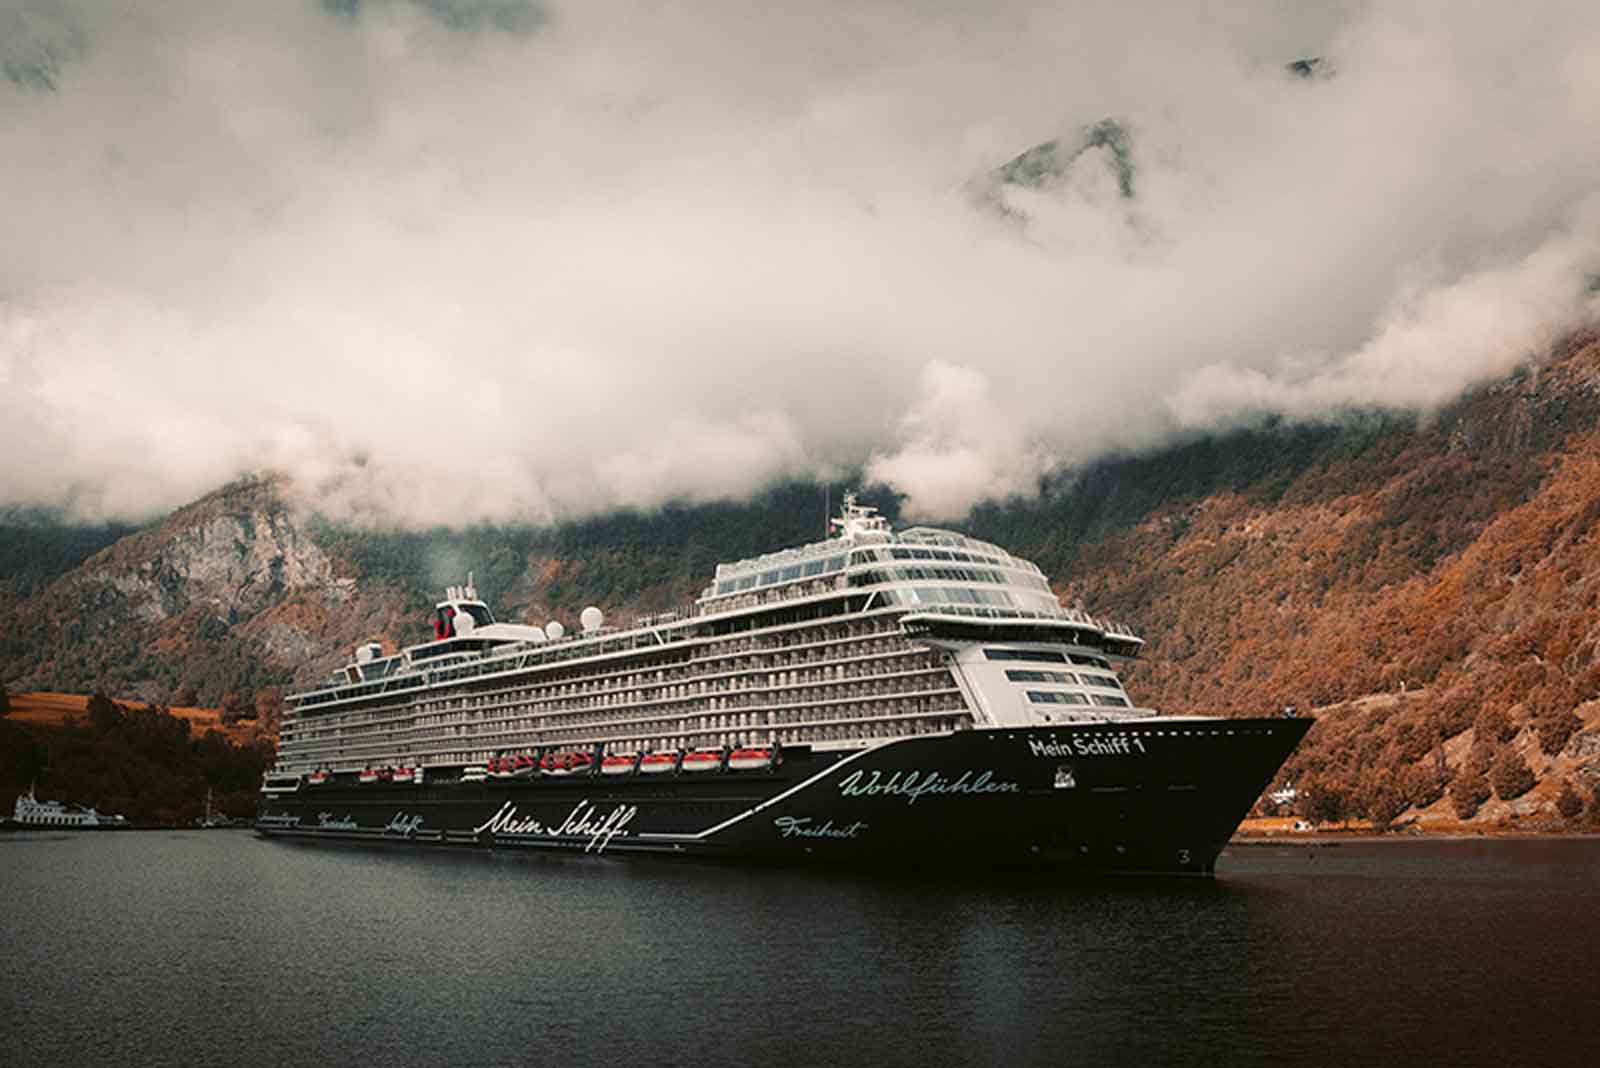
<point x="368" y="776"/>
<point x="703" y="760"/>
<point x="659" y="762"/>
<point x="619" y="763"/>
<point x="405" y="776"/>
<point x="752" y="758"/>
<point x="571" y="763"/>
<point x="320" y="777"/>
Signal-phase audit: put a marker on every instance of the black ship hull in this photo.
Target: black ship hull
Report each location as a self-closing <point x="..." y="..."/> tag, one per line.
<point x="1157" y="796"/>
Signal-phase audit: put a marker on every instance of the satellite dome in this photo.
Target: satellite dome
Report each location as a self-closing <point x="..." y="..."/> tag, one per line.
<point x="591" y="618"/>
<point x="554" y="629"/>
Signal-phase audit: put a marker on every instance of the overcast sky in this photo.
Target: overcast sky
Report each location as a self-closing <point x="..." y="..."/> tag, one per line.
<point x="454" y="261"/>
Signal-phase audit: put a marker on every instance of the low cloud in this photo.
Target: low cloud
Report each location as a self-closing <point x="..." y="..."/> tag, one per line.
<point x="457" y="261"/>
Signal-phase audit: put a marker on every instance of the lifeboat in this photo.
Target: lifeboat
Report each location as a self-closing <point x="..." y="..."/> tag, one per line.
<point x="320" y="777"/>
<point x="570" y="763"/>
<point x="368" y="776"/>
<point x="405" y="776"/>
<point x="703" y="760"/>
<point x="619" y="763"/>
<point x="752" y="758"/>
<point x="503" y="768"/>
<point x="659" y="762"/>
<point x="523" y="766"/>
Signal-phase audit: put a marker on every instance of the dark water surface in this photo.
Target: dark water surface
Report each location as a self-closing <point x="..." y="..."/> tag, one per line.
<point x="220" y="948"/>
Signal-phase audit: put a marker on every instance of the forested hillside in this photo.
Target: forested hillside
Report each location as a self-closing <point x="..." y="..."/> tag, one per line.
<point x="1428" y="587"/>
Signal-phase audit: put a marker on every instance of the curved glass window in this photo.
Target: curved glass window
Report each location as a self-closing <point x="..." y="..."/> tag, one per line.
<point x="1057" y="697"/>
<point x="1090" y="678"/>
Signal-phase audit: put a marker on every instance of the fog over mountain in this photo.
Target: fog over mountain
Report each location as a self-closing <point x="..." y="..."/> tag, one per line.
<point x="454" y="261"/>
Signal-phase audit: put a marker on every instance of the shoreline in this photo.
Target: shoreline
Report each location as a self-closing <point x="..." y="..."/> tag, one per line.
<point x="1323" y="839"/>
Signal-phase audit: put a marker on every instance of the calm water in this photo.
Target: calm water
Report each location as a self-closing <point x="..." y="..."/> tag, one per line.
<point x="194" y="947"/>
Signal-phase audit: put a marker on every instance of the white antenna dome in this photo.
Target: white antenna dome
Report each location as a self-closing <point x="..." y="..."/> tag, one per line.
<point x="591" y="618"/>
<point x="464" y="622"/>
<point x="364" y="653"/>
<point x="554" y="630"/>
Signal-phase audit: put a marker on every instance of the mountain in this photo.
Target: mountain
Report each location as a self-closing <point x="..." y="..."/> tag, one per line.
<point x="1428" y="588"/>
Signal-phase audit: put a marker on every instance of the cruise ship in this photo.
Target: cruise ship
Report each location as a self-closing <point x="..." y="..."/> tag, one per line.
<point x="879" y="697"/>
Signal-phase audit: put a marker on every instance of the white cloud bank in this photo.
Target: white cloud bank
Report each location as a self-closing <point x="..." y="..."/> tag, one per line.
<point x="455" y="261"/>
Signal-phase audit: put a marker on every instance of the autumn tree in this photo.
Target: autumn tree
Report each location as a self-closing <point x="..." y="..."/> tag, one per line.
<point x="1424" y="783"/>
<point x="1325" y="800"/>
<point x="231" y="707"/>
<point x="1555" y="727"/>
<point x="1385" y="806"/>
<point x="1494" y="725"/>
<point x="269" y="709"/>
<point x="1569" y="804"/>
<point x="1468" y="793"/>
<point x="102" y="712"/>
<point x="1510" y="776"/>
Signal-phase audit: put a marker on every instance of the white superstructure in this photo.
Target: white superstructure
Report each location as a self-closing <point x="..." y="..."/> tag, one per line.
<point x="865" y="636"/>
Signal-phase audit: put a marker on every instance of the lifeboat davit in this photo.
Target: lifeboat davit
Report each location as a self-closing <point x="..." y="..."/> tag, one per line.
<point x="571" y="763"/>
<point x="658" y="763"/>
<point x="703" y="760"/>
<point x="320" y="777"/>
<point x="405" y="776"/>
<point x="752" y="758"/>
<point x="619" y="764"/>
<point x="368" y="776"/>
<point x="523" y="766"/>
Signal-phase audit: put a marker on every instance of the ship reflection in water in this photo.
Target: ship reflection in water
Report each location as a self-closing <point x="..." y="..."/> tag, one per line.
<point x="195" y="948"/>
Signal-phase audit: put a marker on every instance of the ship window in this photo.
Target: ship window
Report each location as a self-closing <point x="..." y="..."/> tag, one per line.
<point x="1056" y="697"/>
<point x="1091" y="661"/>
<point x="1091" y="679"/>
<point x="1026" y="654"/>
<point x="1110" y="700"/>
<point x="1028" y="675"/>
<point x="813" y="567"/>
